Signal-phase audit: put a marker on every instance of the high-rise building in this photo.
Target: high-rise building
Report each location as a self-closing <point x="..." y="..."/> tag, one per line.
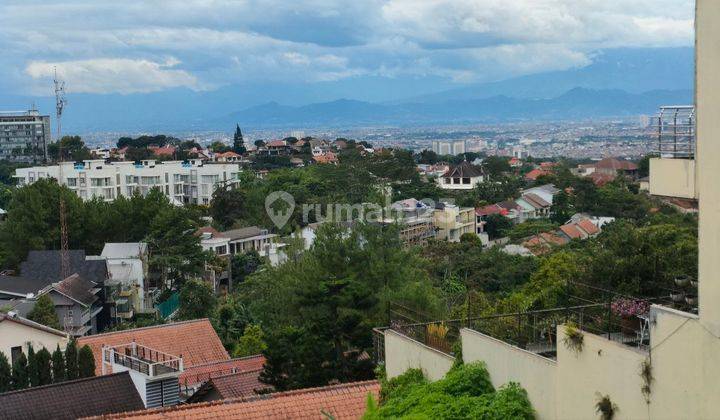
<point x="24" y="136"/>
<point x="448" y="147"/>
<point x="182" y="182"/>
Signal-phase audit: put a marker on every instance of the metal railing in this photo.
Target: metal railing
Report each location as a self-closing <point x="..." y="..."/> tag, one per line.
<point x="142" y="359"/>
<point x="675" y="131"/>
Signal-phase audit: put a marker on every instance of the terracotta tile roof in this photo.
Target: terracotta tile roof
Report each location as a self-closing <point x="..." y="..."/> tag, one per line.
<point x="201" y="373"/>
<point x="344" y="401"/>
<point x="535" y="174"/>
<point x="72" y="399"/>
<point x="209" y="229"/>
<point x="276" y="143"/>
<point x="553" y="239"/>
<point x="162" y="151"/>
<point x="572" y="231"/>
<point x="196" y="341"/>
<point x="588" y="227"/>
<point x="328" y="157"/>
<point x="600" y="179"/>
<point x="234" y="385"/>
<point x="491" y="209"/>
<point x="616" y="164"/>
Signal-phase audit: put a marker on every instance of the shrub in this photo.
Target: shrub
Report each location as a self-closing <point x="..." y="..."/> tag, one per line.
<point x="465" y="393"/>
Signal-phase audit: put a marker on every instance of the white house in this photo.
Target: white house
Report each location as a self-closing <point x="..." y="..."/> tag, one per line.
<point x="464" y="176"/>
<point x="16" y="333"/>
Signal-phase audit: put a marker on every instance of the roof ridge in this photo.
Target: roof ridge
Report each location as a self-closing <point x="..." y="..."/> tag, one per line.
<point x="242" y="372"/>
<point x="107" y="334"/>
<point x="74" y="381"/>
<point x="240" y="399"/>
<point x="217" y="362"/>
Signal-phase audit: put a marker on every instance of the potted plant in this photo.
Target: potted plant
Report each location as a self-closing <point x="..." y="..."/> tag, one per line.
<point x="691" y="300"/>
<point x="694" y="283"/>
<point x="628" y="311"/>
<point x="677" y="297"/>
<point x="682" y="280"/>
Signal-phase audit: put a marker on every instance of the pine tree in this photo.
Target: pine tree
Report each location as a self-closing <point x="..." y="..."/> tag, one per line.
<point x="32" y="367"/>
<point x="42" y="360"/>
<point x="5" y="374"/>
<point x="20" y="372"/>
<point x="238" y="141"/>
<point x="86" y="362"/>
<point x="71" y="361"/>
<point x="58" y="365"/>
<point x="44" y="312"/>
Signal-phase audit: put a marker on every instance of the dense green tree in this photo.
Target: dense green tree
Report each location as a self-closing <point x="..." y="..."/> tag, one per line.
<point x="59" y="374"/>
<point x="43" y="360"/>
<point x="329" y="299"/>
<point x="5" y="374"/>
<point x="498" y="188"/>
<point x="495" y="166"/>
<point x="227" y="206"/>
<point x="175" y="249"/>
<point x="32" y="367"/>
<point x="86" y="362"/>
<point x="561" y="209"/>
<point x="530" y="228"/>
<point x="428" y="157"/>
<point x="230" y="321"/>
<point x="5" y="195"/>
<point x="73" y="149"/>
<point x="137" y="154"/>
<point x="219" y="147"/>
<point x="497" y="225"/>
<point x="244" y="264"/>
<point x="238" y="141"/>
<point x="71" y="360"/>
<point x="197" y="300"/>
<point x="44" y="312"/>
<point x="470" y="238"/>
<point x="20" y="378"/>
<point x="252" y="342"/>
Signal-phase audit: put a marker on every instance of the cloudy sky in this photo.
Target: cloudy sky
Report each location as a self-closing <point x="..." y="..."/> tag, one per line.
<point x="132" y="46"/>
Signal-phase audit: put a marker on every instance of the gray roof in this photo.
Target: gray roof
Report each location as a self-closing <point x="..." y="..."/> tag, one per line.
<point x="21" y="286"/>
<point x="243" y="233"/>
<point x="77" y="289"/>
<point x="124" y="250"/>
<point x="44" y="266"/>
<point x="106" y="394"/>
<point x="549" y="188"/>
<point x="463" y="170"/>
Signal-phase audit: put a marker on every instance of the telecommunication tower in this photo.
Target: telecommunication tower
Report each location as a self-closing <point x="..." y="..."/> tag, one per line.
<point x="60" y="102"/>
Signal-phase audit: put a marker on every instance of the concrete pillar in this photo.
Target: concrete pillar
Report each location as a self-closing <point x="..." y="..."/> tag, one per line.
<point x="707" y="103"/>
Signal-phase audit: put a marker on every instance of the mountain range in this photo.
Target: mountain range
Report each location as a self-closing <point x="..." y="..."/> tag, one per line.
<point x="618" y="82"/>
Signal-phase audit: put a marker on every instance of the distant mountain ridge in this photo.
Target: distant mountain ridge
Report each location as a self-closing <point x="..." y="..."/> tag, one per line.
<point x="617" y="82"/>
<point x="576" y="103"/>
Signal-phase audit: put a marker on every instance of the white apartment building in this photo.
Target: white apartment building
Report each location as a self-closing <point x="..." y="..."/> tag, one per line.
<point x="448" y="147"/>
<point x="189" y="182"/>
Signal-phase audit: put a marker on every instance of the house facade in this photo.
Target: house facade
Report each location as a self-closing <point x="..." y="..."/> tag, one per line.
<point x="464" y="176"/>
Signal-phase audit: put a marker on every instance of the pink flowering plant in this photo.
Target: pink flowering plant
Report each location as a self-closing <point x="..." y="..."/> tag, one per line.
<point x="626" y="308"/>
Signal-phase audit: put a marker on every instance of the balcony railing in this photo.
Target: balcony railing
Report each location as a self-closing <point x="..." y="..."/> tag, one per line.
<point x="143" y="359"/>
<point x="675" y="131"/>
<point x="536" y="331"/>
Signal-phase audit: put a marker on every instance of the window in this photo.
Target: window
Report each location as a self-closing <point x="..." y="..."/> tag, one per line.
<point x="466" y="180"/>
<point x="447" y="180"/>
<point x="15" y="353"/>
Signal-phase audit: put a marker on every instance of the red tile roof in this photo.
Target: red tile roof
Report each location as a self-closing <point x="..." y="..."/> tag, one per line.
<point x="535" y="173"/>
<point x="236" y="385"/>
<point x="344" y="401"/>
<point x="227" y="154"/>
<point x="195" y="341"/>
<point x="491" y="209"/>
<point x="600" y="179"/>
<point x="588" y="227"/>
<point x="572" y="231"/>
<point x="328" y="157"/>
<point x="276" y="143"/>
<point x="616" y="164"/>
<point x="163" y="151"/>
<point x="201" y="373"/>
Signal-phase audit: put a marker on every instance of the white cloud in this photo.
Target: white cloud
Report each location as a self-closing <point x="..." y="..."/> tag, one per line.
<point x="122" y="46"/>
<point x="108" y="75"/>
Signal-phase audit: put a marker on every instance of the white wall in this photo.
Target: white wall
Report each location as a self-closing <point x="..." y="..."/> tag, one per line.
<point x="403" y="353"/>
<point x="672" y="177"/>
<point x="13" y="334"/>
<point x="507" y="363"/>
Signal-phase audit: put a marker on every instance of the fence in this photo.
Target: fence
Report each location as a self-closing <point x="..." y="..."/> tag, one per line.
<point x="168" y="307"/>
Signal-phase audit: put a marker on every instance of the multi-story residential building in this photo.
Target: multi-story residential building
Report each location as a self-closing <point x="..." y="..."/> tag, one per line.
<point x="464" y="176"/>
<point x="415" y="219"/>
<point x="451" y="222"/>
<point x="77" y="304"/>
<point x="24" y="136"/>
<point x="185" y="182"/>
<point x="448" y="147"/>
<point x="127" y="266"/>
<point x="664" y="364"/>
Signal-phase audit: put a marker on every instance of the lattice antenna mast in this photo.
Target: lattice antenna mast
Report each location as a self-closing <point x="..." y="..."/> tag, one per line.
<point x="60" y="102"/>
<point x="59" y="106"/>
